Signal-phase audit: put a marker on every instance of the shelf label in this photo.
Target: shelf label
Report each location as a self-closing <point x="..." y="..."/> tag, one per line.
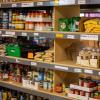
<point x="89" y="37"/>
<point x="31" y="4"/>
<point x="88" y="71"/>
<point x="59" y="35"/>
<point x="24" y="34"/>
<point x="17" y="61"/>
<point x="98" y="73"/>
<point x="0" y="32"/>
<point x="14" y="5"/>
<point x="78" y="70"/>
<point x="36" y="34"/>
<point x="39" y="3"/>
<point x="10" y="33"/>
<point x="71" y="36"/>
<point x="33" y="63"/>
<point x="81" y="1"/>
<point x="56" y="2"/>
<point x="61" y="67"/>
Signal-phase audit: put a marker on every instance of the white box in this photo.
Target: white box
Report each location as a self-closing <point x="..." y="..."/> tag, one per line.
<point x="73" y="86"/>
<point x="78" y="97"/>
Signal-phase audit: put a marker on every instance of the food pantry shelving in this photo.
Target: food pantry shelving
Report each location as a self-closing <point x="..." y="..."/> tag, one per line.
<point x="61" y="62"/>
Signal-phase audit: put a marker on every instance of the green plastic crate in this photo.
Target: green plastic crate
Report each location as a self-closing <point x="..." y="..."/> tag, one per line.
<point x="13" y="50"/>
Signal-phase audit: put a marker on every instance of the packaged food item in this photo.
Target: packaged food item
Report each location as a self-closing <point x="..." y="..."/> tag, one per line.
<point x="64" y="24"/>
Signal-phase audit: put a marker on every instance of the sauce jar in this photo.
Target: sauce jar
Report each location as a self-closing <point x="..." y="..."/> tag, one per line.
<point x="88" y="94"/>
<point x="77" y="92"/>
<point x="82" y="93"/>
<point x="81" y="81"/>
<point x="72" y="91"/>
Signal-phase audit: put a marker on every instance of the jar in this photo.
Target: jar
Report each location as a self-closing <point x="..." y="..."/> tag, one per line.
<point x="72" y="91"/>
<point x="98" y="86"/>
<point x="81" y="81"/>
<point x="86" y="83"/>
<point x="82" y="93"/>
<point x="10" y="77"/>
<point x="88" y="94"/>
<point x="77" y="92"/>
<point x="19" y="78"/>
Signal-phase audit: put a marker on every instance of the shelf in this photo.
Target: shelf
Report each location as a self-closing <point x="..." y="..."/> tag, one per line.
<point x="51" y="34"/>
<point x="66" y="66"/>
<point x="45" y="94"/>
<point x="27" y="4"/>
<point x="47" y="3"/>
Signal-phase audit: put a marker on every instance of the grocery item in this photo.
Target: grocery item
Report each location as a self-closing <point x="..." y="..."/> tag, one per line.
<point x="63" y="24"/>
<point x="92" y="25"/>
<point x="13" y="50"/>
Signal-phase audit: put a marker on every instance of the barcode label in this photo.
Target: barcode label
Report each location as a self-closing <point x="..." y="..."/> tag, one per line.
<point x="36" y="34"/>
<point x="39" y="3"/>
<point x="78" y="70"/>
<point x="10" y="33"/>
<point x="33" y="63"/>
<point x="70" y="36"/>
<point x="31" y="4"/>
<point x="14" y="5"/>
<point x="88" y="71"/>
<point x="81" y="1"/>
<point x="24" y="34"/>
<point x="89" y="37"/>
<point x="61" y="67"/>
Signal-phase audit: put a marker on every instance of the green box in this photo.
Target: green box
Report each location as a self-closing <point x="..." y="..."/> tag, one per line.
<point x="13" y="50"/>
<point x="63" y="24"/>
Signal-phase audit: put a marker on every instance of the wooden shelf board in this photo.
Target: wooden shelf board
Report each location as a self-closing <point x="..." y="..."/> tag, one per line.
<point x="74" y="65"/>
<point x="17" y="85"/>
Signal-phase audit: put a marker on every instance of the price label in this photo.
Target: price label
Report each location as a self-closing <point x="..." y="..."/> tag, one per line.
<point x="59" y="35"/>
<point x="31" y="4"/>
<point x="0" y="32"/>
<point x="89" y="37"/>
<point x="39" y="3"/>
<point x="56" y="2"/>
<point x="10" y="33"/>
<point x="88" y="71"/>
<point x="17" y="61"/>
<point x="71" y="36"/>
<point x="98" y="73"/>
<point x="78" y="70"/>
<point x="81" y="1"/>
<point x="14" y="5"/>
<point x="33" y="63"/>
<point x="61" y="67"/>
<point x="24" y="34"/>
<point x="36" y="34"/>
